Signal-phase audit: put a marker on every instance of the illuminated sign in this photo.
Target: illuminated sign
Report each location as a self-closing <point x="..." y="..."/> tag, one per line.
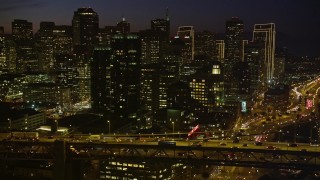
<point x="243" y="106"/>
<point x="309" y="104"/>
<point x="193" y="130"/>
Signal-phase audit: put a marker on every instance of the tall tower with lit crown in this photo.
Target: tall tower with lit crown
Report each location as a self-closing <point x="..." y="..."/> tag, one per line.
<point x="265" y="33"/>
<point x="85" y="24"/>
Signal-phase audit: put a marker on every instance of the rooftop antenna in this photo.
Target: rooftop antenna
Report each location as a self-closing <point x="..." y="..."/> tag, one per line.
<point x="167" y="14"/>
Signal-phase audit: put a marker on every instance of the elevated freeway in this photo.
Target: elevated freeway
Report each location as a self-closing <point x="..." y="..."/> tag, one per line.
<point x="245" y="154"/>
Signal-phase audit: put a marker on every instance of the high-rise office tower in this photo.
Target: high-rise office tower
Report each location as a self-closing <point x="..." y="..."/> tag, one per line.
<point x="26" y="59"/>
<point x="186" y="34"/>
<point x="21" y="30"/>
<point x="233" y="53"/>
<point x="65" y="70"/>
<point x="3" y="58"/>
<point x="44" y="46"/>
<point x="123" y="26"/>
<point x="266" y="33"/>
<point x="153" y="46"/>
<point x="100" y="78"/>
<point x="281" y="55"/>
<point x="233" y="40"/>
<point x="207" y="88"/>
<point x="125" y="76"/>
<point x="204" y="46"/>
<point x="220" y="48"/>
<point x="168" y="74"/>
<point x="85" y="24"/>
<point x="162" y="25"/>
<point x="155" y="41"/>
<point x="81" y="57"/>
<point x="149" y="96"/>
<point x="62" y="40"/>
<point x="254" y="56"/>
<point x="7" y="54"/>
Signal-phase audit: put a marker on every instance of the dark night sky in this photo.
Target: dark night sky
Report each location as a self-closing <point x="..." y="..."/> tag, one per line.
<point x="297" y="21"/>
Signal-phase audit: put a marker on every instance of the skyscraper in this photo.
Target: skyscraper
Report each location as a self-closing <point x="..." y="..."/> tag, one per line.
<point x="186" y="34"/>
<point x="123" y="26"/>
<point x="85" y="25"/>
<point x="100" y="78"/>
<point x="22" y="33"/>
<point x="205" y="45"/>
<point x="220" y="48"/>
<point x="21" y="29"/>
<point x="265" y="33"/>
<point x="153" y="46"/>
<point x="62" y="40"/>
<point x="162" y="25"/>
<point x="44" y="45"/>
<point x="254" y="56"/>
<point x="125" y="76"/>
<point x="233" y="53"/>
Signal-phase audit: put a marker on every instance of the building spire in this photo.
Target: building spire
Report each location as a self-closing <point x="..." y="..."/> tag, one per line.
<point x="167" y="14"/>
<point x="123" y="18"/>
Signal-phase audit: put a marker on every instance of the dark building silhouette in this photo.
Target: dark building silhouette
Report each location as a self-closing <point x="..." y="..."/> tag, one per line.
<point x="85" y="24"/>
<point x="254" y="53"/>
<point x="233" y="53"/>
<point x="100" y="78"/>
<point x="162" y="25"/>
<point x="123" y="26"/>
<point x="125" y="76"/>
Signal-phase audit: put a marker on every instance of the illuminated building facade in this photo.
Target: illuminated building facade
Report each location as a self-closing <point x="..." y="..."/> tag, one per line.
<point x="115" y="169"/>
<point x="125" y="75"/>
<point x="22" y="120"/>
<point x="26" y="59"/>
<point x="153" y="46"/>
<point x="204" y="46"/>
<point x="3" y="57"/>
<point x="65" y="70"/>
<point x="22" y="30"/>
<point x="44" y="46"/>
<point x="149" y="88"/>
<point x="168" y="74"/>
<point x="62" y="42"/>
<point x="186" y="34"/>
<point x="220" y="48"/>
<point x="207" y="87"/>
<point x="266" y="33"/>
<point x="46" y="93"/>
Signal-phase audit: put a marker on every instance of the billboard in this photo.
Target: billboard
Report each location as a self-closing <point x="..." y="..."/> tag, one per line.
<point x="243" y="106"/>
<point x="309" y="103"/>
<point x="193" y="130"/>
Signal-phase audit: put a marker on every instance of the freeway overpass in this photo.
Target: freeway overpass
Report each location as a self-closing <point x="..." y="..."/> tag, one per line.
<point x="66" y="154"/>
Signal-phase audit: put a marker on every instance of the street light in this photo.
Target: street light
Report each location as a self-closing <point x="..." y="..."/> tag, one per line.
<point x="109" y="126"/>
<point x="173" y="130"/>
